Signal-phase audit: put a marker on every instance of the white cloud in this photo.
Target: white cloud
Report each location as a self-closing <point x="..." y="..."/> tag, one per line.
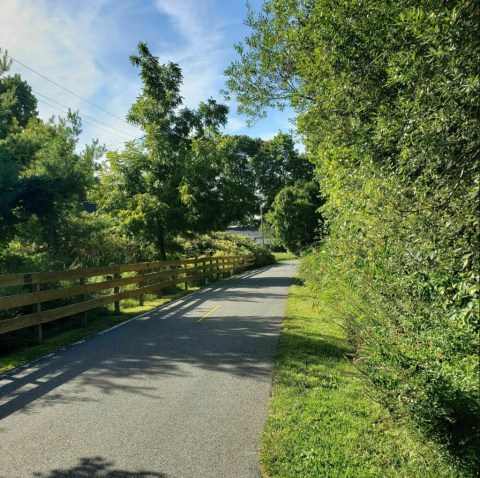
<point x="65" y="45"/>
<point x="202" y="52"/>
<point x="84" y="46"/>
<point x="234" y="124"/>
<point x="50" y="42"/>
<point x="187" y="17"/>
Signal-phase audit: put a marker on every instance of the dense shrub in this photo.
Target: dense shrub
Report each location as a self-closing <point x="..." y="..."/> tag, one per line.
<point x="87" y="241"/>
<point x="421" y="358"/>
<point x="388" y="100"/>
<point x="220" y="243"/>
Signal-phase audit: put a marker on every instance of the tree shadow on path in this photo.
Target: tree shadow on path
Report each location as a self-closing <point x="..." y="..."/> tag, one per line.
<point x="150" y="347"/>
<point x="98" y="467"/>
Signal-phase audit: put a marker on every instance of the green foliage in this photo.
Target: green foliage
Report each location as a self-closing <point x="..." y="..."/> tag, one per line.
<point x="22" y="105"/>
<point x="387" y="95"/>
<point x="43" y="180"/>
<point x="322" y="420"/>
<point x="284" y="256"/>
<point x="154" y="187"/>
<point x="221" y="243"/>
<point x="218" y="184"/>
<point x="276" y="165"/>
<point x="17" y="145"/>
<point x="294" y="217"/>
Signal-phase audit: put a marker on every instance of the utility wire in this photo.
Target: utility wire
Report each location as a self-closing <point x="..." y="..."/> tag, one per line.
<point x="123" y="142"/>
<point x="83" y="115"/>
<point x="138" y="138"/>
<point x="86" y="122"/>
<point x="63" y="88"/>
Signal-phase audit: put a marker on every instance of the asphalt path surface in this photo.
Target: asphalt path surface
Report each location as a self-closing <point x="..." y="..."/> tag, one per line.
<point x="179" y="392"/>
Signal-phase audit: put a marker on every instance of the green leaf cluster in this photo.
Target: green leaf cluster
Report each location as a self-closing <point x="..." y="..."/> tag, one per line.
<point x="387" y="100"/>
<point x="295" y="217"/>
<point x="43" y="178"/>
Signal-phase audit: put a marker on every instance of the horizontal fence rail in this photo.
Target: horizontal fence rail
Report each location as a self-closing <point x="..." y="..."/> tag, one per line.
<point x="28" y="297"/>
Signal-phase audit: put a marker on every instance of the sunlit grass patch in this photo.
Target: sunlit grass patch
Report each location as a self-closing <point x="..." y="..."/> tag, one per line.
<point x="284" y="256"/>
<point x="322" y="421"/>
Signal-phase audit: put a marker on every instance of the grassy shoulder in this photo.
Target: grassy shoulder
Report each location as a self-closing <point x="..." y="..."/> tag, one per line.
<point x="70" y="332"/>
<point x="284" y="256"/>
<point x="321" y="421"/>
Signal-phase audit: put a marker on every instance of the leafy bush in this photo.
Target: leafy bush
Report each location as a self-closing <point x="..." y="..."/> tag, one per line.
<point x="387" y="95"/>
<point x="421" y="368"/>
<point x="220" y="243"/>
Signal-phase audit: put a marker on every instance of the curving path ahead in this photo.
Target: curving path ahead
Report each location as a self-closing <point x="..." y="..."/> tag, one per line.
<point x="179" y="392"/>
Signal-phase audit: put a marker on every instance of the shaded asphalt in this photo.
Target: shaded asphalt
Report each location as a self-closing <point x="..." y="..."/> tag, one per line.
<point x="179" y="392"/>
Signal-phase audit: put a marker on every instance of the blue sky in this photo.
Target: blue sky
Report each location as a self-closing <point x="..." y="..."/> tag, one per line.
<point x="85" y="45"/>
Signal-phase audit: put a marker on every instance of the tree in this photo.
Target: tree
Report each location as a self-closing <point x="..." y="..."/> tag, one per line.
<point x="55" y="184"/>
<point x="23" y="105"/>
<point x="151" y="192"/>
<point x="277" y="164"/>
<point x="218" y="186"/>
<point x="17" y="146"/>
<point x="387" y="99"/>
<point x="42" y="178"/>
<point x="229" y="177"/>
<point x="295" y="217"/>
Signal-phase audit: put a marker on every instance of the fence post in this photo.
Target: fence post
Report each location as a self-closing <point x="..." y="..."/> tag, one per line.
<point x="218" y="268"/>
<point x="116" y="290"/>
<point x="83" y="297"/>
<point x="195" y="271"/>
<point x="186" y="274"/>
<point x="202" y="280"/>
<point x="37" y="329"/>
<point x="141" y="297"/>
<point x="159" y="291"/>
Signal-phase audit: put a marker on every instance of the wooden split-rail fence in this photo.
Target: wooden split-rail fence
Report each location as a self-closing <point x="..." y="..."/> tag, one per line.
<point x="90" y="288"/>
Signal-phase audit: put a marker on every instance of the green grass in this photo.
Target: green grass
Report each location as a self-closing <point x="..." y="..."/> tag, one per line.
<point x="70" y="332"/>
<point x="284" y="256"/>
<point x="322" y="422"/>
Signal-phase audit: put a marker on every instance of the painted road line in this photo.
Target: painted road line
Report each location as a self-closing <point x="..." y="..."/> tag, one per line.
<point x="204" y="316"/>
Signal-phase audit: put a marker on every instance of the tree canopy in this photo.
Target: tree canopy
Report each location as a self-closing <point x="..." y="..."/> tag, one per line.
<point x="295" y="217"/>
<point x="43" y="180"/>
<point x="387" y="99"/>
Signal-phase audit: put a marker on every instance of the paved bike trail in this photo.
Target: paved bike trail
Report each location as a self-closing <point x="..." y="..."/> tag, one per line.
<point x="179" y="392"/>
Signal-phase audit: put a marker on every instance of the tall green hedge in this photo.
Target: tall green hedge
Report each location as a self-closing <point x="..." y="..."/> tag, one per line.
<point x="388" y="101"/>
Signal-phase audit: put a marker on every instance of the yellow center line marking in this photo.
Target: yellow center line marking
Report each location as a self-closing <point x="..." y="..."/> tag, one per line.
<point x="204" y="316"/>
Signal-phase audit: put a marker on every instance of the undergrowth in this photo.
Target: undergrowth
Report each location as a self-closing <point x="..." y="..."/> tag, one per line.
<point x="324" y="420"/>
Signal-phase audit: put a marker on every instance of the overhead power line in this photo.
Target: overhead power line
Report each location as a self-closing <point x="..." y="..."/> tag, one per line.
<point x="86" y="122"/>
<point x="83" y="115"/>
<point x="123" y="142"/>
<point x="66" y="89"/>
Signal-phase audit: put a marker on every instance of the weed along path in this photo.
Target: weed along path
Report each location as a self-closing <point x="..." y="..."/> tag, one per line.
<point x="179" y="392"/>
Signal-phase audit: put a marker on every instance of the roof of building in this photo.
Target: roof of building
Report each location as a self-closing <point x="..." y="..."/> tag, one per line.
<point x="250" y="232"/>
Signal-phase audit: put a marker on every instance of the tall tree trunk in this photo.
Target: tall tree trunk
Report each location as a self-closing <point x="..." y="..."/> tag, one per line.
<point x="161" y="245"/>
